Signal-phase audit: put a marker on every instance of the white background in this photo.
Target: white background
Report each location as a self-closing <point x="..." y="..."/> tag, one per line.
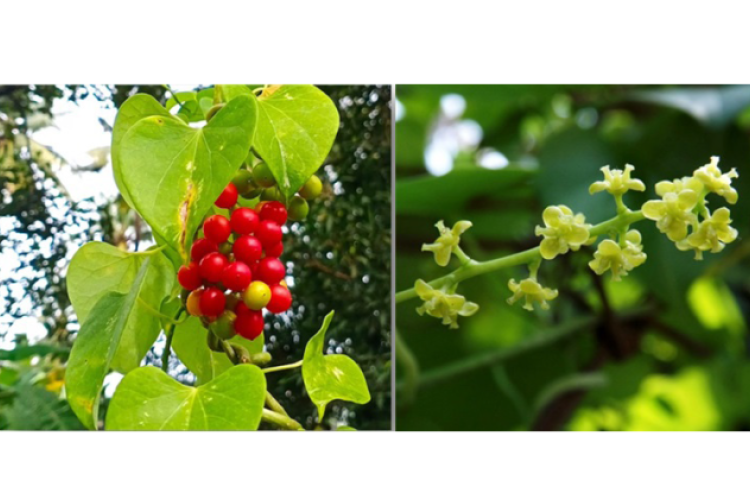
<point x="378" y="41"/>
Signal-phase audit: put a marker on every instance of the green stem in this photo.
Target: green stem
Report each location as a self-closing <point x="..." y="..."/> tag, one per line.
<point x="274" y="405"/>
<point x="484" y="360"/>
<point x="283" y="422"/>
<point x="282" y="368"/>
<point x="406" y="360"/>
<point x="168" y="345"/>
<point x="474" y="268"/>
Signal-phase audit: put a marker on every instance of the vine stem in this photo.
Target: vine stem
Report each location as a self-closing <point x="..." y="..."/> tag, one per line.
<point x="274" y="404"/>
<point x="282" y="368"/>
<point x="277" y="419"/>
<point x="168" y="345"/>
<point x="410" y="364"/>
<point x="472" y="268"/>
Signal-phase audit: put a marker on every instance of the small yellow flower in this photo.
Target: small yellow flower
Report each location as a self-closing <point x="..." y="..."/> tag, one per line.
<point x="617" y="182"/>
<point x="532" y="291"/>
<point x="620" y="260"/>
<point x="715" y="181"/>
<point x="447" y="241"/>
<point x="678" y="185"/>
<point x="711" y="235"/>
<point x="442" y="305"/>
<point x="673" y="213"/>
<point x="563" y="231"/>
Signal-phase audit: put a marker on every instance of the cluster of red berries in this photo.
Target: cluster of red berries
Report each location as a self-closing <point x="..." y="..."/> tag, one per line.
<point x="235" y="271"/>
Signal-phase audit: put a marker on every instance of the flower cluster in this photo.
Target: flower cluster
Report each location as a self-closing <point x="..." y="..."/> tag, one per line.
<point x="443" y="305"/>
<point x="532" y="292"/>
<point x="682" y="213"/>
<point x="617" y="182"/>
<point x="447" y="242"/>
<point x="563" y="231"/>
<point x="619" y="258"/>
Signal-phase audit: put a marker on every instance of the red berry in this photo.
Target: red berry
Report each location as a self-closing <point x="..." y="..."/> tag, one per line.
<point x="241" y="308"/>
<point x="249" y="324"/>
<point x="247" y="249"/>
<point x="244" y="221"/>
<point x="193" y="303"/>
<point x="189" y="277"/>
<point x="275" y="251"/>
<point x="236" y="276"/>
<point x="273" y="211"/>
<point x="201" y="248"/>
<point x="212" y="302"/>
<point x="270" y="271"/>
<point x="228" y="197"/>
<point x="212" y="266"/>
<point x="281" y="299"/>
<point x="217" y="228"/>
<point x="269" y="233"/>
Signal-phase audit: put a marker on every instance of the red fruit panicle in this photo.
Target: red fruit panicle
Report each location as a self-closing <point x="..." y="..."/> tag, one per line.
<point x="281" y="299"/>
<point x="270" y="271"/>
<point x="212" y="302"/>
<point x="249" y="324"/>
<point x="201" y="248"/>
<point x="189" y="277"/>
<point x="236" y="276"/>
<point x="274" y="211"/>
<point x="228" y="197"/>
<point x="269" y="233"/>
<point x="275" y="251"/>
<point x="244" y="221"/>
<point x="247" y="249"/>
<point x="212" y="266"/>
<point x="217" y="229"/>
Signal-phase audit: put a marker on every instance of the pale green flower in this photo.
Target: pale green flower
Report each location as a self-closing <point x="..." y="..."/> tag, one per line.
<point x="442" y="305"/>
<point x="532" y="292"/>
<point x="563" y="231"/>
<point x="715" y="181"/>
<point x="619" y="259"/>
<point x="678" y="185"/>
<point x="447" y="241"/>
<point x="673" y="213"/>
<point x="711" y="235"/>
<point x="617" y="182"/>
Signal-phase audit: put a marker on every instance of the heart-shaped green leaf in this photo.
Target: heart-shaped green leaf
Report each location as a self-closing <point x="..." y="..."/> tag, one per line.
<point x="331" y="377"/>
<point x="99" y="268"/>
<point x="148" y="399"/>
<point x="132" y="110"/>
<point x="95" y="346"/>
<point x="296" y="128"/>
<point x="190" y="343"/>
<point x="174" y="173"/>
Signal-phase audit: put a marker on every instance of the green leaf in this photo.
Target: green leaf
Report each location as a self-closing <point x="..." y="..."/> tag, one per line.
<point x="183" y="98"/>
<point x="232" y="91"/>
<point x="148" y="399"/>
<point x="95" y="347"/>
<point x="190" y="343"/>
<point x="331" y="377"/>
<point x="99" y="268"/>
<point x="174" y="172"/>
<point x="296" y="128"/>
<point x="133" y="110"/>
<point x="345" y="428"/>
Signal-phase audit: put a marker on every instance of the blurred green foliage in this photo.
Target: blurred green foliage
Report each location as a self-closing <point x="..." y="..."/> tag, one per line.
<point x="665" y="349"/>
